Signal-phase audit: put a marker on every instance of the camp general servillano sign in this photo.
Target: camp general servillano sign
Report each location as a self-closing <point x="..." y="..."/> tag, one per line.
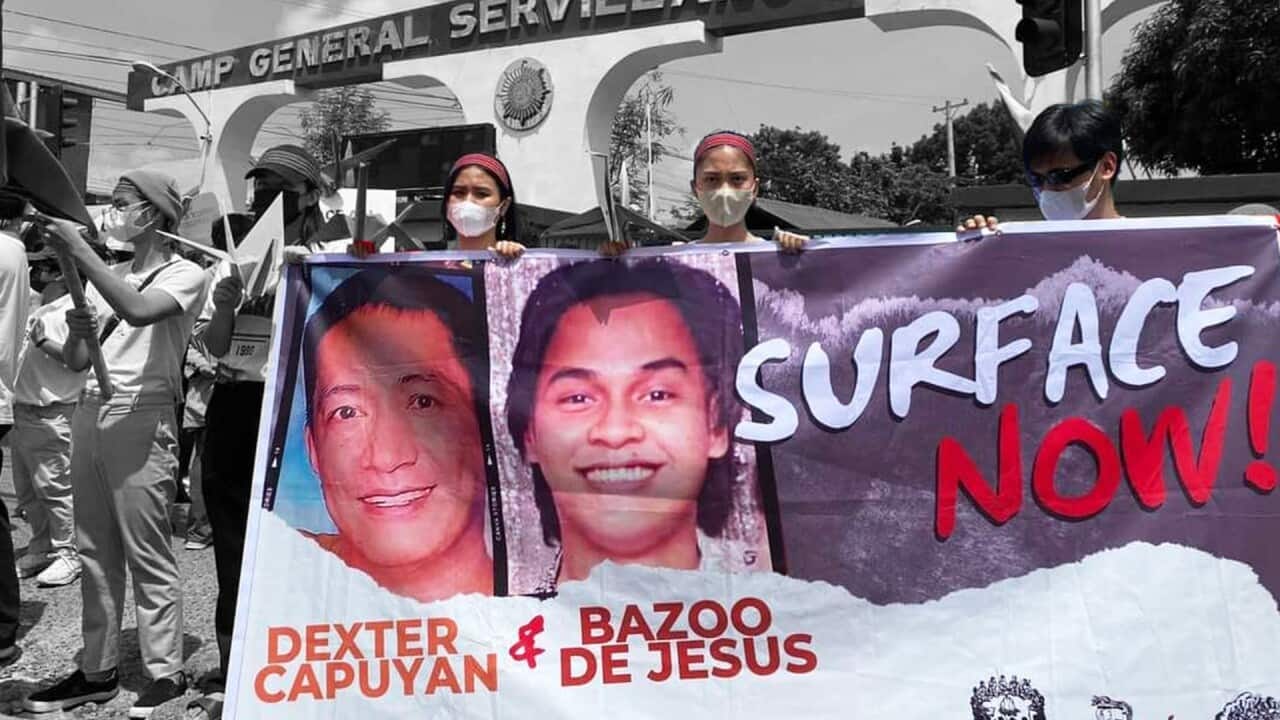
<point x="355" y="53"/>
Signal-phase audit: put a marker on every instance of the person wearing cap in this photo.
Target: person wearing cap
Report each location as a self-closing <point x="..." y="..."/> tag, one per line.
<point x="725" y="184"/>
<point x="292" y="172"/>
<point x="480" y="208"/>
<point x="124" y="458"/>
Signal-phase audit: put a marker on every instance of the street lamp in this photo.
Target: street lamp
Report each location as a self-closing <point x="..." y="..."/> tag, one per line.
<point x="207" y="138"/>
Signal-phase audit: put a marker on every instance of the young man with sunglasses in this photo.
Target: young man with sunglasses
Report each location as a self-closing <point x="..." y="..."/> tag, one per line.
<point x="1072" y="156"/>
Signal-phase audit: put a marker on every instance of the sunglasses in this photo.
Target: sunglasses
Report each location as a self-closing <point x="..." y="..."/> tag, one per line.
<point x="1058" y="177"/>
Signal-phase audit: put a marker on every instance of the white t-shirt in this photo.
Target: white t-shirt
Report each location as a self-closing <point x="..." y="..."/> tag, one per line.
<point x="43" y="380"/>
<point x="15" y="287"/>
<point x="149" y="359"/>
<point x="246" y="359"/>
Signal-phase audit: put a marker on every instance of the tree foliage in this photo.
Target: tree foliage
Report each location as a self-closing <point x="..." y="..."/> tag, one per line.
<point x="805" y="167"/>
<point x="1199" y="88"/>
<point x="629" y="136"/>
<point x="988" y="147"/>
<point x="342" y="111"/>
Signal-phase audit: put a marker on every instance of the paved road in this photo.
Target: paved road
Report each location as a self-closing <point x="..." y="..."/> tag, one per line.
<point x="50" y="632"/>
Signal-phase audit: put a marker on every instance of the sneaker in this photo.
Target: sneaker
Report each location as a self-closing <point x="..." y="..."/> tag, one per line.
<point x="197" y="540"/>
<point x="64" y="570"/>
<point x="33" y="564"/>
<point x="73" y="691"/>
<point x="160" y="692"/>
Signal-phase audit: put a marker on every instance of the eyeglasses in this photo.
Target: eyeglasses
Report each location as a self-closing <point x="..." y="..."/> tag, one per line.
<point x="1058" y="177"/>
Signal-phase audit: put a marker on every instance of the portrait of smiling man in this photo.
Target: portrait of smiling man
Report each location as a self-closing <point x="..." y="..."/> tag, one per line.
<point x="621" y="400"/>
<point x="391" y="360"/>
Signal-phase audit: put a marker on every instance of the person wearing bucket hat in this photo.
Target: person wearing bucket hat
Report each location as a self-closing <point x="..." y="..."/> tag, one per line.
<point x="236" y="331"/>
<point x="124" y="444"/>
<point x="292" y="172"/>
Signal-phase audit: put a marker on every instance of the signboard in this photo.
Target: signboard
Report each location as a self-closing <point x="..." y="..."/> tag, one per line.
<point x="354" y="53"/>
<point x="1027" y="477"/>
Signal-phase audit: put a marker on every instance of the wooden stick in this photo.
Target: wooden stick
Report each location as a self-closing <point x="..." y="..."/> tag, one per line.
<point x="75" y="288"/>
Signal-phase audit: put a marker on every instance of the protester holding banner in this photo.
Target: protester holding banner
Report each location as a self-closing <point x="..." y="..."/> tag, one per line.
<point x="628" y="423"/>
<point x="236" y="331"/>
<point x="480" y="205"/>
<point x="14" y="300"/>
<point x="725" y="184"/>
<point x="1072" y="155"/>
<point x="44" y="401"/>
<point x="124" y="466"/>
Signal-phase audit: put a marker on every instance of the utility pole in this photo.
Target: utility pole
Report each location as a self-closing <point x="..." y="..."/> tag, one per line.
<point x="949" y="108"/>
<point x="625" y="181"/>
<point x="1093" y="49"/>
<point x="648" y="129"/>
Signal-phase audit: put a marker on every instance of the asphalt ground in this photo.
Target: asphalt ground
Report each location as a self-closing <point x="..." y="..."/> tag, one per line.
<point x="50" y="631"/>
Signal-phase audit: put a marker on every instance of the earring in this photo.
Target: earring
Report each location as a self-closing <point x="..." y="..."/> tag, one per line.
<point x="502" y="228"/>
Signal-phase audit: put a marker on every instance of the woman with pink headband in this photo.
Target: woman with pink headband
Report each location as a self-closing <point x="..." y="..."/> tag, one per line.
<point x="724" y="181"/>
<point x="480" y="206"/>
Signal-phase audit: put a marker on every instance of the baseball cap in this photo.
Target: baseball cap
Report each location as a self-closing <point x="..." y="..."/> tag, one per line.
<point x="291" y="162"/>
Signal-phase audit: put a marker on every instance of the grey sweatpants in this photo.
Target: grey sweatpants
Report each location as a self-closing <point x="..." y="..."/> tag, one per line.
<point x="41" y="444"/>
<point x="123" y="473"/>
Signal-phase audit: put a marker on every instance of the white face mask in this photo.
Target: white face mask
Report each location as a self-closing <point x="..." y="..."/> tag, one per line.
<point x="725" y="207"/>
<point x="119" y="227"/>
<point x="1070" y="204"/>
<point x="473" y="220"/>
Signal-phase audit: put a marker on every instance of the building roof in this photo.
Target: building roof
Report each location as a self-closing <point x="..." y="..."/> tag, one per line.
<point x="589" y="226"/>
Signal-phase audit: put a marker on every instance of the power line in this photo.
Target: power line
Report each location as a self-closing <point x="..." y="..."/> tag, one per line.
<point x="60" y="73"/>
<point x="882" y="97"/>
<point x="104" y="30"/>
<point x="82" y="57"/>
<point x="79" y="43"/>
<point x="327" y="8"/>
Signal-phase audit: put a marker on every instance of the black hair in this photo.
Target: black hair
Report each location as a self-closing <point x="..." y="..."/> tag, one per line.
<point x="1089" y="129"/>
<point x="508" y="225"/>
<point x="714" y="319"/>
<point x="401" y="288"/>
<point x="12" y="206"/>
<point x="241" y="224"/>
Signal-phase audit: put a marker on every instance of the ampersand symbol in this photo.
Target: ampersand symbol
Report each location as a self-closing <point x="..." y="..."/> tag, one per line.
<point x="526" y="648"/>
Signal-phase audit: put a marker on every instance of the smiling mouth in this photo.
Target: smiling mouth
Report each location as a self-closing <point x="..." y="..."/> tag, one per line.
<point x="620" y="477"/>
<point x="400" y="499"/>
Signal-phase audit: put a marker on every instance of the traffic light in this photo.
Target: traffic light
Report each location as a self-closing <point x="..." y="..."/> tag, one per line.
<point x="68" y="121"/>
<point x="1051" y="33"/>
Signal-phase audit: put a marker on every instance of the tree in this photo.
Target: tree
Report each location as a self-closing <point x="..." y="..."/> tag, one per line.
<point x="629" y="136"/>
<point x="988" y="147"/>
<point x="341" y="111"/>
<point x="803" y="167"/>
<point x="1199" y="88"/>
<point x="892" y="187"/>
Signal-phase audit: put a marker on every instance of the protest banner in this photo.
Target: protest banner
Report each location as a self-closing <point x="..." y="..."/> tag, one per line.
<point x="1027" y="477"/>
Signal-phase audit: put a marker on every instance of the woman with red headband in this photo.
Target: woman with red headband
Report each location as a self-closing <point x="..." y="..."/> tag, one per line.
<point x="724" y="181"/>
<point x="480" y="206"/>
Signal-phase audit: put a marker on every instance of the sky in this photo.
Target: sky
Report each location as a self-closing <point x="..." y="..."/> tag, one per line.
<point x="864" y="88"/>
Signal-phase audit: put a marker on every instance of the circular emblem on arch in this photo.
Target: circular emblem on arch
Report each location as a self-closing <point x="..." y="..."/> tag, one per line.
<point x="524" y="95"/>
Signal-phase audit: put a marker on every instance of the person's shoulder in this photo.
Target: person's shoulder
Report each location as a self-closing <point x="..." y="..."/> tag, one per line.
<point x="184" y="270"/>
<point x="12" y="252"/>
